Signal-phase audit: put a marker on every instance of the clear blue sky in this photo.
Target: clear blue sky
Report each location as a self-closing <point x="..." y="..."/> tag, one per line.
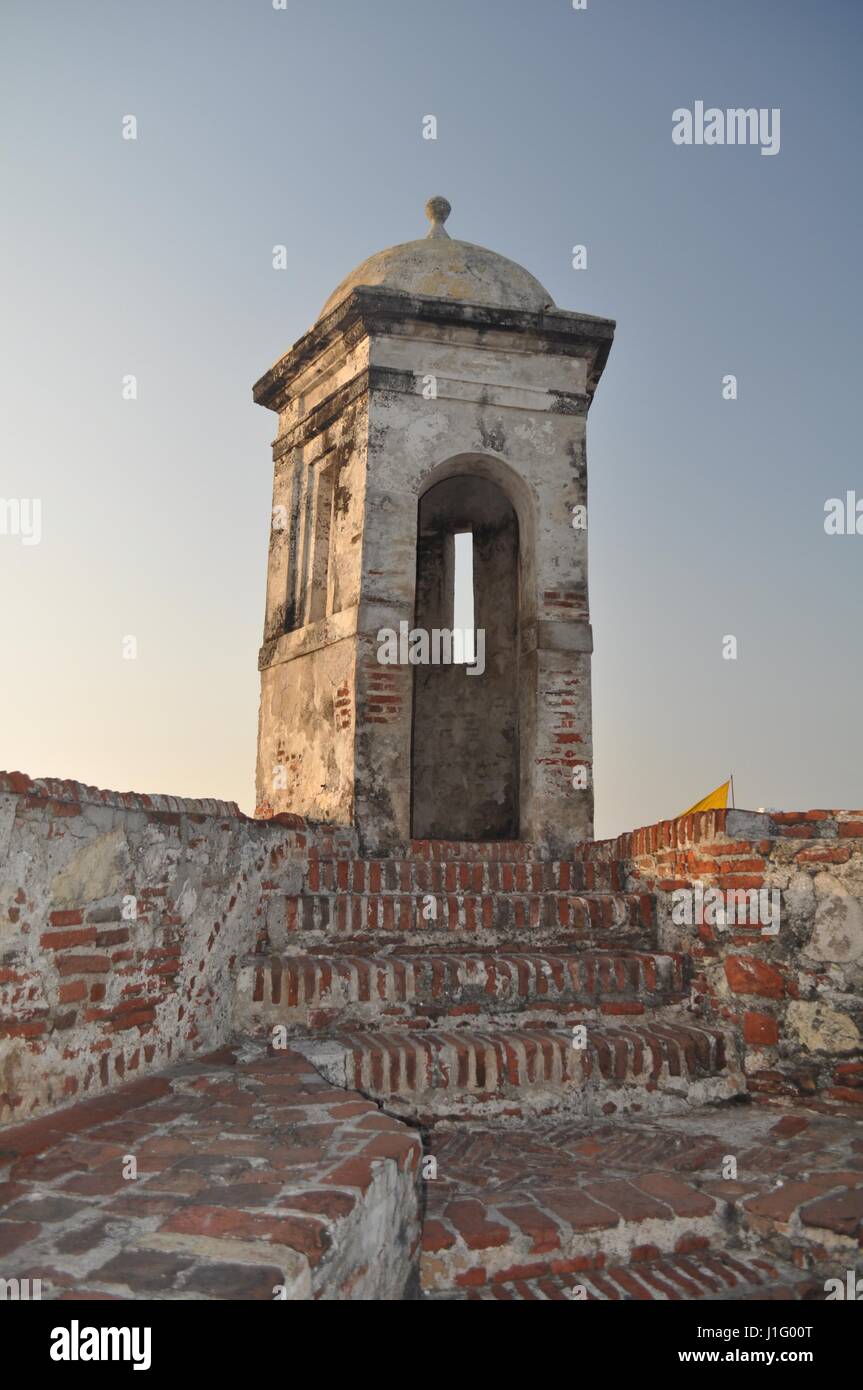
<point x="303" y="127"/>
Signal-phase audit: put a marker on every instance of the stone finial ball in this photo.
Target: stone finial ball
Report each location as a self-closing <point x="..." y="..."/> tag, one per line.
<point x="438" y="209"/>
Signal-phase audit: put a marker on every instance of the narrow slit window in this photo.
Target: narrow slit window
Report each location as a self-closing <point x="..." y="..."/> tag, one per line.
<point x="322" y="524"/>
<point x="463" y="616"/>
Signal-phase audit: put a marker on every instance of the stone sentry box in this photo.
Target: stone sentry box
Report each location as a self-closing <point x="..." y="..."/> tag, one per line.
<point x="440" y="390"/>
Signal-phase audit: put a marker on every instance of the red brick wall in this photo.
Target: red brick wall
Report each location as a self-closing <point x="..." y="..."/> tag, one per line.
<point x="122" y="921"/>
<point x="794" y="999"/>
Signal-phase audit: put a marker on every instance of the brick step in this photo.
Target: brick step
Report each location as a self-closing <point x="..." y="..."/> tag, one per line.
<point x="518" y="1072"/>
<point x="706" y="1276"/>
<point x="596" y="919"/>
<point x="317" y="991"/>
<point x="467" y="876"/>
<point x="567" y="1196"/>
<point x="501" y="851"/>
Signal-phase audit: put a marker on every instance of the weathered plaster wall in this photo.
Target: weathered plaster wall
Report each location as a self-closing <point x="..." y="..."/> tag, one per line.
<point x="306" y="728"/>
<point x="122" y="918"/>
<point x="306" y="733"/>
<point x="794" y="999"/>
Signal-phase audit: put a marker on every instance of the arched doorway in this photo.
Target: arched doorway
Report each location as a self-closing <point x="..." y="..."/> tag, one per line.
<point x="465" y="736"/>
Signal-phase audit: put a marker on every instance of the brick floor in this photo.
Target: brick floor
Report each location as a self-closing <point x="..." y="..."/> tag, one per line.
<point x="250" y="1172"/>
<point x="252" y="1168"/>
<point x="577" y="1198"/>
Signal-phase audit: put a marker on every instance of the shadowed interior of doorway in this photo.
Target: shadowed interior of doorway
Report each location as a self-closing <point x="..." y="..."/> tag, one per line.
<point x="465" y="760"/>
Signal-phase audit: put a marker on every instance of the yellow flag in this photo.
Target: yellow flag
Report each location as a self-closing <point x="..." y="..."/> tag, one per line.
<point x="714" y="801"/>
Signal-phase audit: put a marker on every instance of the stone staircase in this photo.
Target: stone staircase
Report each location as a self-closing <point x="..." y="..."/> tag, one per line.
<point x="521" y="1013"/>
<point x="530" y="1102"/>
<point x="465" y="980"/>
<point x="465" y="1072"/>
<point x="256" y="1179"/>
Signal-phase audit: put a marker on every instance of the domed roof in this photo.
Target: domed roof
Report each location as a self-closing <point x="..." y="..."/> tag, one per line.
<point x="439" y="265"/>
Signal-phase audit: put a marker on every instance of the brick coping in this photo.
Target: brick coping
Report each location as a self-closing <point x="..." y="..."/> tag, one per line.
<point x="80" y="793"/>
<point x="730" y="823"/>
